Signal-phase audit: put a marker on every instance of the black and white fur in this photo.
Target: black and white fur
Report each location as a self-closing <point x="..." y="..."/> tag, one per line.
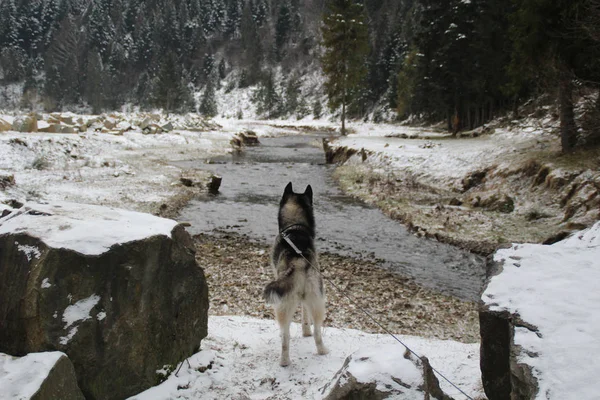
<point x="298" y="281"/>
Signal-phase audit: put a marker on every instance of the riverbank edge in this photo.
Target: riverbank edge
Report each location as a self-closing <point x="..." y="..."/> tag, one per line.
<point x="562" y="198"/>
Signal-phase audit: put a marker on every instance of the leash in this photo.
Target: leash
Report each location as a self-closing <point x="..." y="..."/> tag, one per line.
<point x="299" y="252"/>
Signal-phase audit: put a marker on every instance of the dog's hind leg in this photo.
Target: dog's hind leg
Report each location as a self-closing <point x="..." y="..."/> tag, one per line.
<point x="284" y="314"/>
<point x="317" y="308"/>
<point x="305" y="321"/>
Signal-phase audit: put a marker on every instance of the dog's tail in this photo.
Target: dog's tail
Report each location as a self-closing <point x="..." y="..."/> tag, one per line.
<point x="277" y="289"/>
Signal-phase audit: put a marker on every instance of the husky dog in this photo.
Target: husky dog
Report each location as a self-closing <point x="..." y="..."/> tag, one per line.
<point x="298" y="279"/>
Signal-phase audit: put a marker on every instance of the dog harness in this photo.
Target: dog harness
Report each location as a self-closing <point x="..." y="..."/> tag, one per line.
<point x="284" y="235"/>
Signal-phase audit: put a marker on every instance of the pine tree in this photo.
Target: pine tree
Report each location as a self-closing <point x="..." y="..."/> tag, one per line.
<point x="63" y="65"/>
<point x="208" y="68"/>
<point x="234" y="19"/>
<point x="282" y="29"/>
<point x="345" y="37"/>
<point x="406" y="82"/>
<point x="260" y="12"/>
<point x="101" y="28"/>
<point x="292" y="95"/>
<point x="268" y="101"/>
<point x="171" y="91"/>
<point x="95" y="83"/>
<point x="547" y="48"/>
<point x="317" y="109"/>
<point x="208" y="105"/>
<point x="222" y="69"/>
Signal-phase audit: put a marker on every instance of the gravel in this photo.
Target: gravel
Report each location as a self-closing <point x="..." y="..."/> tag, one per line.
<point x="237" y="269"/>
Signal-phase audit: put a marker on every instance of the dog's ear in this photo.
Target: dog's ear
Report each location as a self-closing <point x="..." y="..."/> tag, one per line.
<point x="288" y="189"/>
<point x="309" y="193"/>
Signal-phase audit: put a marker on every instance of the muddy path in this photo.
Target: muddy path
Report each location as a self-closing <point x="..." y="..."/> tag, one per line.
<point x="249" y="195"/>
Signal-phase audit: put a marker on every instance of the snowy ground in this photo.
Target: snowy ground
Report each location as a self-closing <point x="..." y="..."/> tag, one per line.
<point x="240" y="360"/>
<point x="130" y="170"/>
<point x="509" y="184"/>
<point x="554" y="290"/>
<point x="436" y="158"/>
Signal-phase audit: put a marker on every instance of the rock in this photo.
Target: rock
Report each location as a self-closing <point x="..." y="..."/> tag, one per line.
<point x="455" y="202"/>
<point x="247" y="138"/>
<point x="185" y="181"/>
<point x="50" y="128"/>
<point x="59" y="128"/>
<point x="335" y="154"/>
<point x="152" y="129"/>
<point x="124" y="126"/>
<point x="43" y="126"/>
<point x="497" y="202"/>
<point x="475" y="178"/>
<point x="381" y="372"/>
<point x="53" y="119"/>
<point x="214" y="184"/>
<point x="119" y="292"/>
<point x="39" y="376"/>
<point x="146" y="123"/>
<point x="5" y="126"/>
<point x="66" y="119"/>
<point x="168" y="127"/>
<point x="6" y="181"/>
<point x="68" y="129"/>
<point x="536" y="320"/>
<point x="110" y="124"/>
<point x="25" y="124"/>
<point x="495" y="329"/>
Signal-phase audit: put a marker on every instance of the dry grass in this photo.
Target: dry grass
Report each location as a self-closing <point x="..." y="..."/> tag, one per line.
<point x="238" y="269"/>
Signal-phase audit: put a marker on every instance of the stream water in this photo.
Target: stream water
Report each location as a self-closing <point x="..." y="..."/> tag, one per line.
<point x="252" y="186"/>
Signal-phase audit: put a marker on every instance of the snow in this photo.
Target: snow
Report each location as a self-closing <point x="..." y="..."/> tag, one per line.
<point x="373" y="362"/>
<point x="29" y="251"/>
<point x="240" y="359"/>
<point x="21" y="378"/>
<point x="77" y="312"/>
<point x="86" y="229"/>
<point x="555" y="288"/>
<point x="434" y="157"/>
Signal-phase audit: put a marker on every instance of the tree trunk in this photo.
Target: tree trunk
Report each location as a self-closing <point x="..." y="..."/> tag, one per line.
<point x="568" y="128"/>
<point x="344" y="107"/>
<point x="515" y="108"/>
<point x="344" y="117"/>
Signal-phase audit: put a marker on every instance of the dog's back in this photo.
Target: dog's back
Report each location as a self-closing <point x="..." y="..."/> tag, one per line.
<point x="297" y="277"/>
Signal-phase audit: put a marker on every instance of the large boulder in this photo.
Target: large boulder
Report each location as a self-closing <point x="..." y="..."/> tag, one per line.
<point x="26" y="123"/>
<point x="378" y="373"/>
<point x="539" y="321"/>
<point x="5" y="125"/>
<point x="119" y="292"/>
<point x="38" y="376"/>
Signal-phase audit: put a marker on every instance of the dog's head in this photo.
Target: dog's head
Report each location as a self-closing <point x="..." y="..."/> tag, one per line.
<point x="296" y="208"/>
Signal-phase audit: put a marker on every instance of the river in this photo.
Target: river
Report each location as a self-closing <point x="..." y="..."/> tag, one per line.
<point x="252" y="186"/>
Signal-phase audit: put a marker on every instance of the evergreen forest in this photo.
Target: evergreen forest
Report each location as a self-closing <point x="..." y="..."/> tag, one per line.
<point x="459" y="61"/>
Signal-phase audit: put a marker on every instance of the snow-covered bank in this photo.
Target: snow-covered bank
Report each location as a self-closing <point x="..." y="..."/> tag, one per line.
<point x="434" y="157"/>
<point x="552" y="291"/>
<point x="508" y="184"/>
<point x="112" y="160"/>
<point x="239" y="359"/>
